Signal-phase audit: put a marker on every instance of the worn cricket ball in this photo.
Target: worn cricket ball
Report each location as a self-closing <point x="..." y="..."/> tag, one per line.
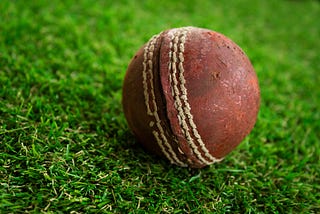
<point x="190" y="95"/>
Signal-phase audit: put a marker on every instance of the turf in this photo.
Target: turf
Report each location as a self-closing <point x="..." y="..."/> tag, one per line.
<point x="66" y="147"/>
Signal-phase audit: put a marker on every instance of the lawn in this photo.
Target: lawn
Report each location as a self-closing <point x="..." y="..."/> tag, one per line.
<point x="65" y="146"/>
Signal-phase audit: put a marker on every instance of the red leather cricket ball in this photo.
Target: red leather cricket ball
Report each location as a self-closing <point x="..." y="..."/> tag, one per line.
<point x="190" y="95"/>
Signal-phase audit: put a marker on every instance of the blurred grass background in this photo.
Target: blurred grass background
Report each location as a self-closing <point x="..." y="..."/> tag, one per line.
<point x="64" y="143"/>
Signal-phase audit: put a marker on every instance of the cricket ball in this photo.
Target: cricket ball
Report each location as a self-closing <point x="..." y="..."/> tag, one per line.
<point x="190" y="95"/>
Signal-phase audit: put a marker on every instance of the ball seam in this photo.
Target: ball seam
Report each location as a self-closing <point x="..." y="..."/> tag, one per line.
<point x="180" y="94"/>
<point x="148" y="88"/>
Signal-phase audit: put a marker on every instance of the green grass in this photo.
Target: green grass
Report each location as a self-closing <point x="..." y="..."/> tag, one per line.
<point x="64" y="142"/>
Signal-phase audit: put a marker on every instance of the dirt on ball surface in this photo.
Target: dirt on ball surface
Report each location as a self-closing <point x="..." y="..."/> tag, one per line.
<point x="190" y="95"/>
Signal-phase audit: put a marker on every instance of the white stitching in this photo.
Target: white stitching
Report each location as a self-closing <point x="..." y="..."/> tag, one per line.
<point x="177" y="56"/>
<point x="148" y="71"/>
